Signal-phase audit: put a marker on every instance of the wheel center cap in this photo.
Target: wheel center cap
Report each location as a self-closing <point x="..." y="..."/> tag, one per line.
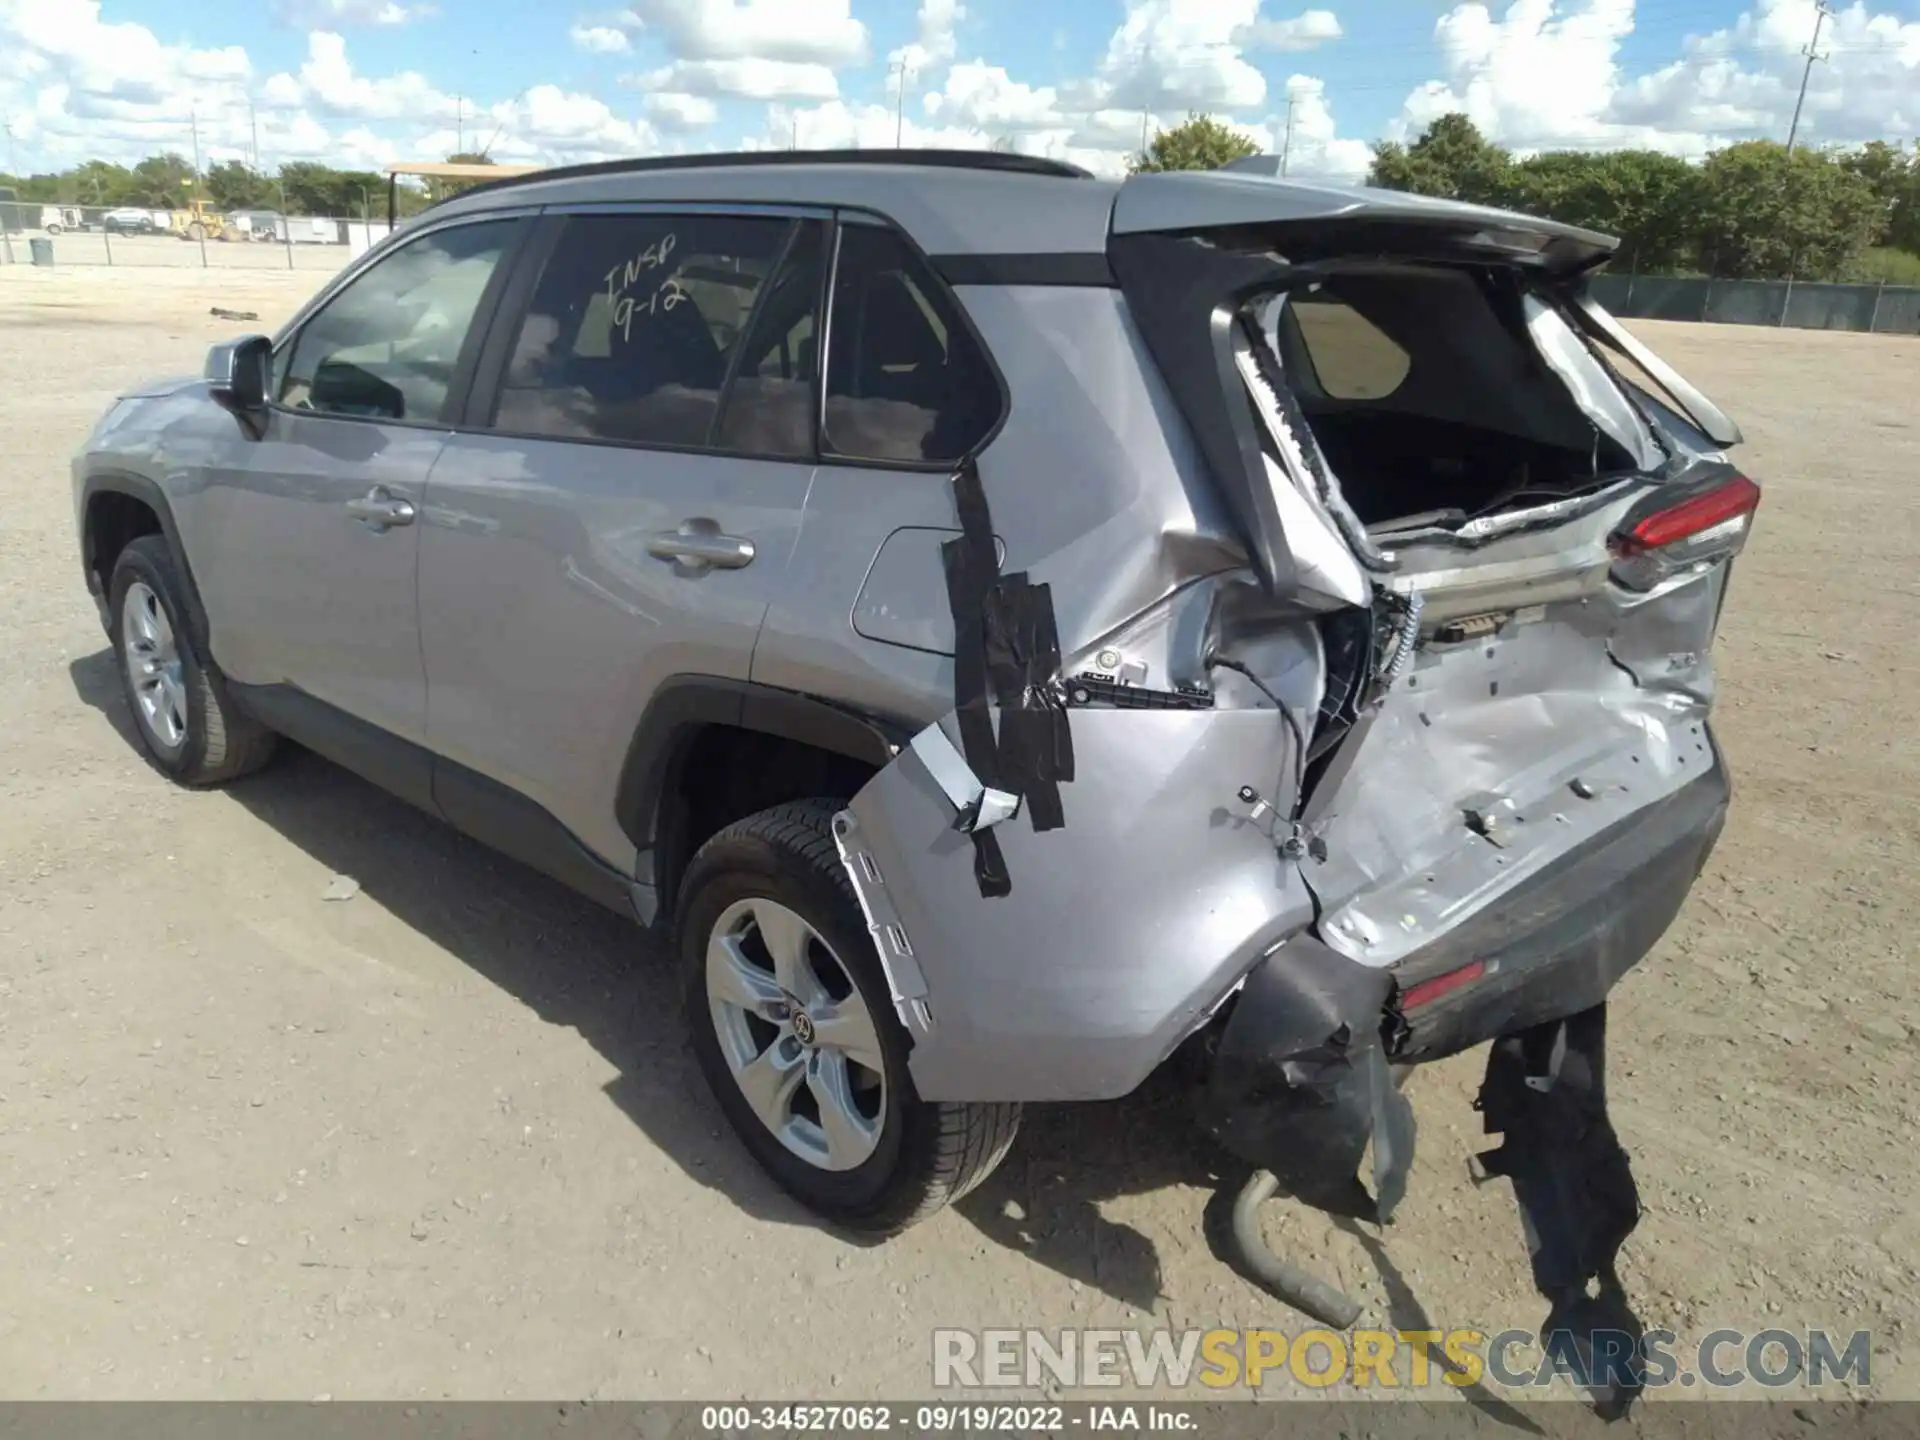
<point x="803" y="1030"/>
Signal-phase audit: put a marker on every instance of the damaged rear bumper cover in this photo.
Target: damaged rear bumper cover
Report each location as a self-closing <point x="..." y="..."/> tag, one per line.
<point x="1301" y="1077"/>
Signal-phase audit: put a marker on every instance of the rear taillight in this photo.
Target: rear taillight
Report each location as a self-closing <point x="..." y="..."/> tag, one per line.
<point x="1703" y="529"/>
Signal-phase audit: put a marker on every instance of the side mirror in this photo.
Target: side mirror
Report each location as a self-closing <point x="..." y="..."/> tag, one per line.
<point x="239" y="370"/>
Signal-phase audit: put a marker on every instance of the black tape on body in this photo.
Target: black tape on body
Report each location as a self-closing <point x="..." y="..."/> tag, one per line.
<point x="1007" y="649"/>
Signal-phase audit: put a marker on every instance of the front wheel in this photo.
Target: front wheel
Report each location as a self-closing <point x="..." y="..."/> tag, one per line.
<point x="793" y="1026"/>
<point x="189" y="724"/>
<point x="196" y="231"/>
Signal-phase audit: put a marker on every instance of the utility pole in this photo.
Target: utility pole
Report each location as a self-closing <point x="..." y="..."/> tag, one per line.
<point x="459" y="125"/>
<point x="253" y="124"/>
<point x="13" y="150"/>
<point x="1286" y="146"/>
<point x="1812" y="52"/>
<point x="899" y="99"/>
<point x="193" y="119"/>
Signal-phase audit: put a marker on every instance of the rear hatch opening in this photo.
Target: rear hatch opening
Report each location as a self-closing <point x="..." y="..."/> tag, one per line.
<point x="1448" y="398"/>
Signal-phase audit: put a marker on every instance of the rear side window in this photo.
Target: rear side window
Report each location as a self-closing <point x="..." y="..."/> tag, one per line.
<point x="1352" y="358"/>
<point x="905" y="379"/>
<point x="633" y="325"/>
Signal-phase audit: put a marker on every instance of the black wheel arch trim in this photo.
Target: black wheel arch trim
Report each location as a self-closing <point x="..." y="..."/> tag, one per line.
<point x="148" y="493"/>
<point x="685" y="705"/>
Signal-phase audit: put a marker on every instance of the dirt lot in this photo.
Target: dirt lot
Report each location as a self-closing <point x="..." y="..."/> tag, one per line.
<point x="442" y="1139"/>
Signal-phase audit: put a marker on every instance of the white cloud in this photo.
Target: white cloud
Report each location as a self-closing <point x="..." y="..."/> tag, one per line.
<point x="1315" y="151"/>
<point x="751" y="78"/>
<point x="340" y="13"/>
<point x="1545" y="75"/>
<point x="984" y="97"/>
<point x="599" y="39"/>
<point x="1304" y="31"/>
<point x="1177" y="55"/>
<point x="681" y="112"/>
<point x="327" y="83"/>
<point x="1541" y="75"/>
<point x="1741" y="82"/>
<point x="75" y="85"/>
<point x="818" y="32"/>
<point x="934" y="41"/>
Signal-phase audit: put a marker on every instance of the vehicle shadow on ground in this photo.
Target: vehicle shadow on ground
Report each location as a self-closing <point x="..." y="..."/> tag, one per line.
<point x="577" y="965"/>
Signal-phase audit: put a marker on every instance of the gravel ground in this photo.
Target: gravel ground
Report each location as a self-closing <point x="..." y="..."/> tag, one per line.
<point x="443" y="1139"/>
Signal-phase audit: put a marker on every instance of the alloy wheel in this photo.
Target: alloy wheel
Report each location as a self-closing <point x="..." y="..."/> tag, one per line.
<point x="152" y="657"/>
<point x="796" y="1034"/>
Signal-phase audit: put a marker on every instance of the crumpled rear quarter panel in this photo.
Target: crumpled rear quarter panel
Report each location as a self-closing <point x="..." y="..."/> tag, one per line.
<point x="1123" y="929"/>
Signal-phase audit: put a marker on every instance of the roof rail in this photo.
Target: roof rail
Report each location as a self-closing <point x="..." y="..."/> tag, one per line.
<point x="952" y="159"/>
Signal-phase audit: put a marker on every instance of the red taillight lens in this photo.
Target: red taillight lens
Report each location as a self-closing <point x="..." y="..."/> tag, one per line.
<point x="1703" y="528"/>
<point x="1428" y="991"/>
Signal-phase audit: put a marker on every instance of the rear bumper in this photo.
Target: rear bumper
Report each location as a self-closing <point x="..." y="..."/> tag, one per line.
<point x="1301" y="1076"/>
<point x="1556" y="945"/>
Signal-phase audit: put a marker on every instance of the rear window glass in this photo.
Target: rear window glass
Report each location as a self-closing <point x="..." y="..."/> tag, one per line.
<point x="1352" y="358"/>
<point x="905" y="380"/>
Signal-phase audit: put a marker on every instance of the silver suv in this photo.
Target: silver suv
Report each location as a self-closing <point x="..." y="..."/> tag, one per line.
<point x="1006" y="626"/>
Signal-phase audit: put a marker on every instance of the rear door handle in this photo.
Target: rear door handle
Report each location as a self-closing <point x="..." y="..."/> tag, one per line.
<point x="380" y="509"/>
<point x="700" y="545"/>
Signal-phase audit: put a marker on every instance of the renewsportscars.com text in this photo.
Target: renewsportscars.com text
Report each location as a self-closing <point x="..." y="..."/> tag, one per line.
<point x="1391" y="1359"/>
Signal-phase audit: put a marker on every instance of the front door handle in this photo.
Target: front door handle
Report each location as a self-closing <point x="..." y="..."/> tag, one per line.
<point x="699" y="545"/>
<point x="380" y="509"/>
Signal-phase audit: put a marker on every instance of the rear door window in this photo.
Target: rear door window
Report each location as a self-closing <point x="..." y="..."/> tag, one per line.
<point x="906" y="380"/>
<point x="633" y="325"/>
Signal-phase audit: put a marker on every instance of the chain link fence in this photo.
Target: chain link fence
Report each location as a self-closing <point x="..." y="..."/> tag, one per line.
<point x="1793" y="304"/>
<point x="197" y="237"/>
<point x="200" y="237"/>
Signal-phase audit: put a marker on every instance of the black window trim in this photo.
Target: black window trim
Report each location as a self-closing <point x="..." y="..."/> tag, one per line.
<point x="483" y="403"/>
<point x="471" y="345"/>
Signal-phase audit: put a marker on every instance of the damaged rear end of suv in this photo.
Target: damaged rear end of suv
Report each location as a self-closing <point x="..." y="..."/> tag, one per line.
<point x="1420" y="762"/>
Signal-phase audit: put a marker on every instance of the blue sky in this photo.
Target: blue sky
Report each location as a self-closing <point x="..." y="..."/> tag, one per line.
<point x="364" y="81"/>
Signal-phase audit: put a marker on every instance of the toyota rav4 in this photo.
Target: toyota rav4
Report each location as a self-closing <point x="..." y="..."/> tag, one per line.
<point x="1005" y="627"/>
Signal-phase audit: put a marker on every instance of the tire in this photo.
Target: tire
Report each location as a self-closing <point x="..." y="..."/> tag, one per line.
<point x="54" y="229"/>
<point x="189" y="725"/>
<point x="924" y="1153"/>
<point x="196" y="231"/>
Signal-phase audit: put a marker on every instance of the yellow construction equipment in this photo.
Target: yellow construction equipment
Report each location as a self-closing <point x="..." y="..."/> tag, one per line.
<point x="199" y="221"/>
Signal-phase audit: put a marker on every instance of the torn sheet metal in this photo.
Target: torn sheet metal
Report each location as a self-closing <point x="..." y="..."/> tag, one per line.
<point x="1545" y="1092"/>
<point x="1122" y="931"/>
<point x="1501" y="718"/>
<point x="1301" y="1083"/>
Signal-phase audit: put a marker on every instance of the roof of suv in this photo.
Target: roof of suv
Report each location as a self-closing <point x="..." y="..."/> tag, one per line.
<point x="970" y="202"/>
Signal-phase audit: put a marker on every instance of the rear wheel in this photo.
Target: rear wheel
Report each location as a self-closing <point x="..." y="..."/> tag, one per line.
<point x="792" y="1023"/>
<point x="196" y="231"/>
<point x="188" y="723"/>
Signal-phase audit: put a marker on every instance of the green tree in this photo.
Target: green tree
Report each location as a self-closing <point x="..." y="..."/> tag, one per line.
<point x="237" y="186"/>
<point x="1767" y="215"/>
<point x="314" y="189"/>
<point x="1200" y="142"/>
<point x="1894" y="173"/>
<point x="162" y="182"/>
<point x="1645" y="199"/>
<point x="1450" y="158"/>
